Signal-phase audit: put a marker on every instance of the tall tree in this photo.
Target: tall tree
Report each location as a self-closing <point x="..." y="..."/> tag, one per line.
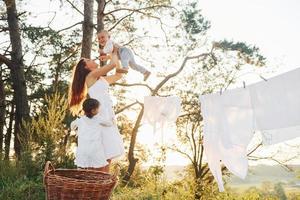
<point x="2" y="112"/>
<point x="87" y="28"/>
<point x="16" y="66"/>
<point x="100" y="14"/>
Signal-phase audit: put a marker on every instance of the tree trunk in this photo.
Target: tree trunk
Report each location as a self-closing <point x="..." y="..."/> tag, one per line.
<point x="100" y="15"/>
<point x="87" y="28"/>
<point x="2" y="113"/>
<point x="17" y="74"/>
<point x="132" y="160"/>
<point x="198" y="189"/>
<point x="100" y="21"/>
<point x="56" y="75"/>
<point x="9" y="132"/>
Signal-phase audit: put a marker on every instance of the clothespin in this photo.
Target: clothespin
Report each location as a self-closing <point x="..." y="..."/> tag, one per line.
<point x="244" y="84"/>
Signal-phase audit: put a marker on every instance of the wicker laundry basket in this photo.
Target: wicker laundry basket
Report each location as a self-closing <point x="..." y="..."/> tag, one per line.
<point x="77" y="184"/>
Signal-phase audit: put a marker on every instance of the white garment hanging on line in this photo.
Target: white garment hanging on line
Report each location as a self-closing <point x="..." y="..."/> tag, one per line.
<point x="272" y="137"/>
<point x="161" y="110"/>
<point x="276" y="104"/>
<point x="273" y="106"/>
<point x="228" y="129"/>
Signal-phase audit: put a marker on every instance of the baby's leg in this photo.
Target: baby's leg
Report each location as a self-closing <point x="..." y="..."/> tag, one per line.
<point x="114" y="59"/>
<point x="134" y="65"/>
<point x="124" y="58"/>
<point x="119" y="69"/>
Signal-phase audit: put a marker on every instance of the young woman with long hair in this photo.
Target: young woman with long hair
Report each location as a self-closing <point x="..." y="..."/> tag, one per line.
<point x="89" y="79"/>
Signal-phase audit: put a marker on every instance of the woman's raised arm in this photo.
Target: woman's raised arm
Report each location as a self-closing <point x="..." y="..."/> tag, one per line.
<point x="102" y="70"/>
<point x="113" y="78"/>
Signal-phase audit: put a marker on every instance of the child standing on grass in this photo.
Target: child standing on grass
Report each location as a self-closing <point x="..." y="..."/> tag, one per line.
<point x="125" y="54"/>
<point x="90" y="151"/>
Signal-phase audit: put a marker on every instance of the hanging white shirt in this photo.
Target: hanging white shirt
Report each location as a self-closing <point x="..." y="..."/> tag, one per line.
<point x="276" y="104"/>
<point x="161" y="110"/>
<point x="228" y="129"/>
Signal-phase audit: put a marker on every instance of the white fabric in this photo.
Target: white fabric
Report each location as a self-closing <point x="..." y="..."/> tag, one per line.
<point x="271" y="137"/>
<point x="112" y="141"/>
<point x="108" y="47"/>
<point x="271" y="107"/>
<point x="276" y="104"/>
<point x="161" y="110"/>
<point x="228" y="129"/>
<point x="90" y="150"/>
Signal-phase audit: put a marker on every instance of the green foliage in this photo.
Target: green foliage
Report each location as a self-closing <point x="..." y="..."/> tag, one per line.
<point x="250" y="54"/>
<point x="194" y="22"/>
<point x="48" y="135"/>
<point x="146" y="184"/>
<point x="279" y="191"/>
<point x="15" y="184"/>
<point x="37" y="34"/>
<point x="151" y="185"/>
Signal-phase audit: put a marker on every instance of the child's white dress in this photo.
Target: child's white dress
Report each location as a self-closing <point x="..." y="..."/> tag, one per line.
<point x="90" y="150"/>
<point x="112" y="141"/>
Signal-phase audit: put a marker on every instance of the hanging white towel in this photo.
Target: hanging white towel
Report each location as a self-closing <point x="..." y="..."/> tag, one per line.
<point x="276" y="104"/>
<point x="228" y="129"/>
<point x="161" y="110"/>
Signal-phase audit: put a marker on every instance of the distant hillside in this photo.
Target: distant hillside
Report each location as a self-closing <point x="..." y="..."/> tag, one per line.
<point x="256" y="175"/>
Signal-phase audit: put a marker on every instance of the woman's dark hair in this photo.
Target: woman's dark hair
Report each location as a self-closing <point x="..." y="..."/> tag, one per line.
<point x="77" y="87"/>
<point x="89" y="105"/>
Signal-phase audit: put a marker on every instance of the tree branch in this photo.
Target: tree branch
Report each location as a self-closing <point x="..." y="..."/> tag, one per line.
<point x="120" y="20"/>
<point x="167" y="78"/>
<point x="6" y="61"/>
<point x="126" y="107"/>
<point x="259" y="145"/>
<point x="273" y="159"/>
<point x="69" y="27"/>
<point x="75" y="7"/>
<point x="70" y="56"/>
<point x="181" y="152"/>
<point x="138" y="10"/>
<point x="134" y="84"/>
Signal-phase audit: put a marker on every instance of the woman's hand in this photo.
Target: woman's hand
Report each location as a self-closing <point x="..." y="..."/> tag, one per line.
<point x="104" y="57"/>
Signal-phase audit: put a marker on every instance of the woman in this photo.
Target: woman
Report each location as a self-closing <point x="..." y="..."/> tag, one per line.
<point x="89" y="79"/>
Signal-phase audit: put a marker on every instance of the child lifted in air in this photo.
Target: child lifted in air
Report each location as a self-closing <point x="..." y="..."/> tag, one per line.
<point x="125" y="55"/>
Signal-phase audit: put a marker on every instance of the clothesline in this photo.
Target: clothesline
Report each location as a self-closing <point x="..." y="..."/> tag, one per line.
<point x="244" y="82"/>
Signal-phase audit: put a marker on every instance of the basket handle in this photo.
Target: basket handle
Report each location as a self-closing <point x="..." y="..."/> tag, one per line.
<point x="48" y="167"/>
<point x="116" y="170"/>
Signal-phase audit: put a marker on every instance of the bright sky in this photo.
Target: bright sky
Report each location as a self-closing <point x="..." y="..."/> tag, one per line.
<point x="272" y="25"/>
